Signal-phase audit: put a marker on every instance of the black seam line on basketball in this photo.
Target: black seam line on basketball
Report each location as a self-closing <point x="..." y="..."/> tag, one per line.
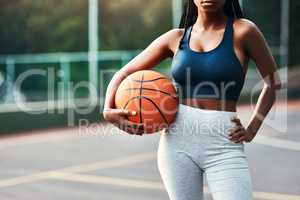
<point x="141" y="89"/>
<point x="151" y="79"/>
<point x="151" y="102"/>
<point x="154" y="90"/>
<point x="157" y="109"/>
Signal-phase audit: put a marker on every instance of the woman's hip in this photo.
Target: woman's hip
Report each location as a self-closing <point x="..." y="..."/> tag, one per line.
<point x="196" y="121"/>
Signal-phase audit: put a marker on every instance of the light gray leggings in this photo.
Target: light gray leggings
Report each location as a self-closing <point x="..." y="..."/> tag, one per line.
<point x="197" y="143"/>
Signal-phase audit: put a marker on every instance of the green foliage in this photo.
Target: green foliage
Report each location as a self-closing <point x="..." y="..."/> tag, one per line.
<point x="43" y="26"/>
<point x="32" y="26"/>
<point x="133" y="24"/>
<point x="35" y="26"/>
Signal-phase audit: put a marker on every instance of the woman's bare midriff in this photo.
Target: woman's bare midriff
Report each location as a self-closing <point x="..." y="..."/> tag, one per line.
<point x="211" y="104"/>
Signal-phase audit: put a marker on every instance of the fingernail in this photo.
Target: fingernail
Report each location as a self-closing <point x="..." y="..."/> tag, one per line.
<point x="133" y="112"/>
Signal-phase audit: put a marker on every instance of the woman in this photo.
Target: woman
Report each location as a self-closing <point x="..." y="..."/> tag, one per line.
<point x="211" y="50"/>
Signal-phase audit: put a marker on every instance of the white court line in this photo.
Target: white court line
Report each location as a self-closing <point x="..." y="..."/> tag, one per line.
<point x="155" y="185"/>
<point x="278" y="143"/>
<point x="106" y="164"/>
<point x="275" y="196"/>
<point x="128" y="160"/>
<point x="106" y="180"/>
<point x="67" y="174"/>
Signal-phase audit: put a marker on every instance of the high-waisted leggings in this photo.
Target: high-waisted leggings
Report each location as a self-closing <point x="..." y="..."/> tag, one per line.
<point x="197" y="143"/>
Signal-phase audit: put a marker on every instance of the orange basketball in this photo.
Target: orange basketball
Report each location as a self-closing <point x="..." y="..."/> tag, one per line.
<point x="153" y="97"/>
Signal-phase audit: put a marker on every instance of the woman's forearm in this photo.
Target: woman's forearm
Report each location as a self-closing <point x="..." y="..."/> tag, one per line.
<point x="112" y="88"/>
<point x="264" y="104"/>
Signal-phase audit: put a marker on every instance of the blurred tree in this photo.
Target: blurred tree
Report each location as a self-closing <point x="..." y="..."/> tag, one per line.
<point x="30" y="26"/>
<point x="12" y="23"/>
<point x="132" y="24"/>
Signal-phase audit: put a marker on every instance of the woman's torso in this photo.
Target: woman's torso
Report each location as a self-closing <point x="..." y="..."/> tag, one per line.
<point x="222" y="67"/>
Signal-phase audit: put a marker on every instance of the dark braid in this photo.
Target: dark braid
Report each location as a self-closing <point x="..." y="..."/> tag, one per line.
<point x="237" y="9"/>
<point x="184" y="17"/>
<point x="232" y="8"/>
<point x="188" y="18"/>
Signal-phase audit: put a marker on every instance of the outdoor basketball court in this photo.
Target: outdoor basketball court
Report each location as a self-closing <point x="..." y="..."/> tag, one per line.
<point x="105" y="164"/>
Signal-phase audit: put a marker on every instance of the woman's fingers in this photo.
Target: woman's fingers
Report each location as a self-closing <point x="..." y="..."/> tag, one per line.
<point x="235" y="129"/>
<point x="132" y="124"/>
<point x="131" y="127"/>
<point x="125" y="112"/>
<point x="237" y="132"/>
<point x="118" y="117"/>
<point x="243" y="138"/>
<point x="236" y="136"/>
<point x="236" y="120"/>
<point x="128" y="129"/>
<point x="133" y="131"/>
<point x="122" y="112"/>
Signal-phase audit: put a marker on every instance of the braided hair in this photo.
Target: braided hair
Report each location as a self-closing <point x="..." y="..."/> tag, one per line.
<point x="232" y="8"/>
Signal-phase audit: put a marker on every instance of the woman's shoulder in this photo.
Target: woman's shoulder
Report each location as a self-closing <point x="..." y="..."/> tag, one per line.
<point x="175" y="33"/>
<point x="173" y="36"/>
<point x="244" y="23"/>
<point x="245" y="28"/>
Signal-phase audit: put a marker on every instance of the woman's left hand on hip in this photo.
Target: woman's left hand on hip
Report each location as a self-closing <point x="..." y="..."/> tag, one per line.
<point x="239" y="133"/>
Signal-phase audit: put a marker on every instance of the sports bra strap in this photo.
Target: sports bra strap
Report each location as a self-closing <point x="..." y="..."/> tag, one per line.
<point x="228" y="35"/>
<point x="186" y="37"/>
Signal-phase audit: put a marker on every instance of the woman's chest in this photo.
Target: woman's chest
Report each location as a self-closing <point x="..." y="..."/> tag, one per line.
<point x="216" y="66"/>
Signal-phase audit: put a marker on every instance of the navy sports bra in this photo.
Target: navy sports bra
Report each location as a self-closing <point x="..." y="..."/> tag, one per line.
<point x="216" y="74"/>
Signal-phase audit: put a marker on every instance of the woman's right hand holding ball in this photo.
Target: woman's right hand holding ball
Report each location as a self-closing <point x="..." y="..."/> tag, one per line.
<point x="118" y="117"/>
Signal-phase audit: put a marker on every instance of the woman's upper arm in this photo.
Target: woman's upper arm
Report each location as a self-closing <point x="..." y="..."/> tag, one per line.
<point x="258" y="50"/>
<point x="154" y="53"/>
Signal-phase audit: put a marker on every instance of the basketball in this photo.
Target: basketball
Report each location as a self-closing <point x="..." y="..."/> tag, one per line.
<point x="152" y="95"/>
